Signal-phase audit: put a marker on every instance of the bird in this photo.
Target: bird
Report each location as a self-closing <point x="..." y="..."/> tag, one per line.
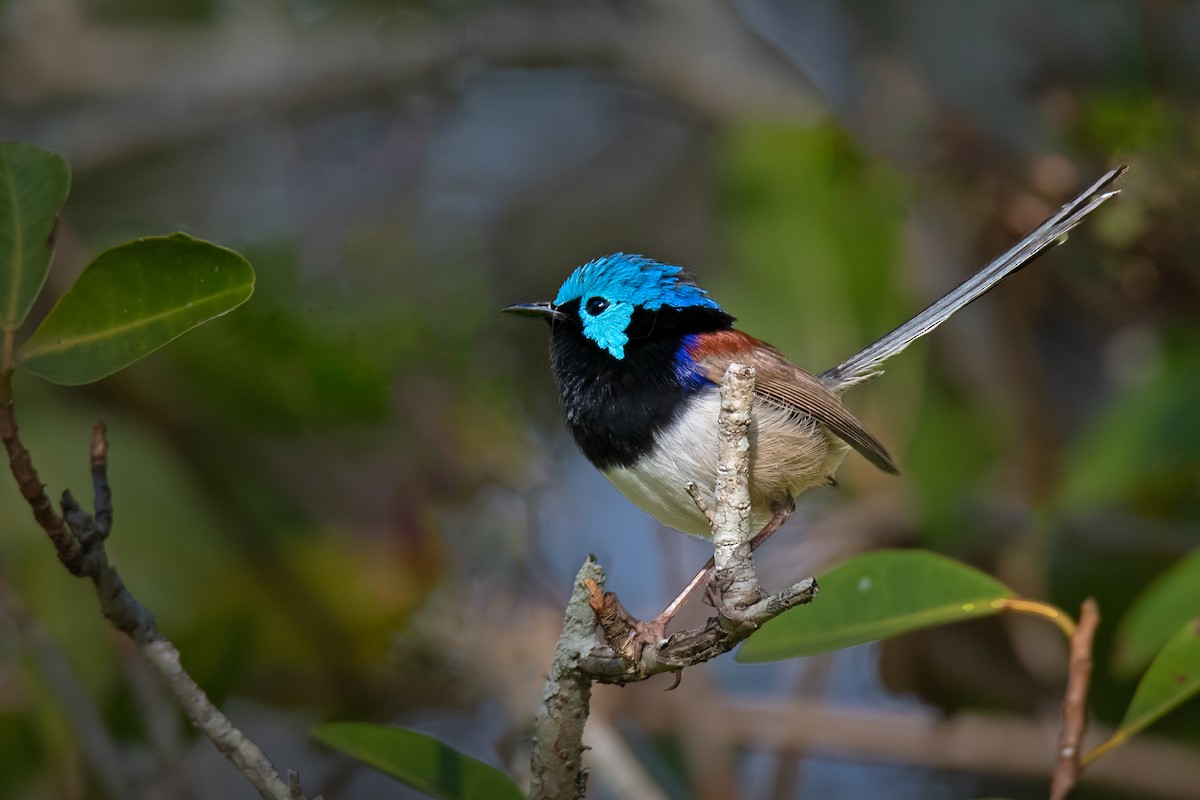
<point x="638" y="350"/>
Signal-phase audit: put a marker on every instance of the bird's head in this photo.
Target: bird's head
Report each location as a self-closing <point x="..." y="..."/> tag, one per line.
<point x="612" y="299"/>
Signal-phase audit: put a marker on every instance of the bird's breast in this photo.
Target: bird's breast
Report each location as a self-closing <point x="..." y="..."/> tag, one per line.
<point x="617" y="408"/>
<point x="789" y="453"/>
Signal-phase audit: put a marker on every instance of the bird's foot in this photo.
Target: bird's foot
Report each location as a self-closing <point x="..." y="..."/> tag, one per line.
<point x="721" y="595"/>
<point x="651" y="631"/>
<point x="625" y="633"/>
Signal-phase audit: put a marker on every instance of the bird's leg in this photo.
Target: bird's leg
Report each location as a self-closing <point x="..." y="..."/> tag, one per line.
<point x="672" y="609"/>
<point x="782" y="510"/>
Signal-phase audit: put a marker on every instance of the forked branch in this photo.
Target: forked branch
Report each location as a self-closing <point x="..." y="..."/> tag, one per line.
<point x="741" y="605"/>
<point x="79" y="541"/>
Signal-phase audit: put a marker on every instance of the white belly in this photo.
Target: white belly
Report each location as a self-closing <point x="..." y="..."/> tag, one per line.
<point x="788" y="454"/>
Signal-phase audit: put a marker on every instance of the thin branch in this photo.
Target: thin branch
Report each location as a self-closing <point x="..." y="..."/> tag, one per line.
<point x="158" y="711"/>
<point x="1066" y="771"/>
<point x="694" y="492"/>
<point x="78" y="539"/>
<point x="66" y="546"/>
<point x="212" y="722"/>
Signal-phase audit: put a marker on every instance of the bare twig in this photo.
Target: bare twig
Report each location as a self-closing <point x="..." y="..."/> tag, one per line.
<point x="65" y="545"/>
<point x="78" y="539"/>
<point x="212" y="722"/>
<point x="694" y="492"/>
<point x="1074" y="713"/>
<point x="295" y="791"/>
<point x="158" y="711"/>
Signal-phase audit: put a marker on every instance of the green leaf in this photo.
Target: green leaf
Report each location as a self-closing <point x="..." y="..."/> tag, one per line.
<point x="421" y="761"/>
<point x="1172" y="678"/>
<point x="130" y="301"/>
<point x="878" y="595"/>
<point x="33" y="186"/>
<point x="1172" y="599"/>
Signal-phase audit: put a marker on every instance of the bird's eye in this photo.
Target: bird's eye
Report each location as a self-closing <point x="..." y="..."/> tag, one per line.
<point x="596" y="305"/>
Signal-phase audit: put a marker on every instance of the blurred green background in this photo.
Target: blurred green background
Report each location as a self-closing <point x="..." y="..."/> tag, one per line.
<point x="354" y="497"/>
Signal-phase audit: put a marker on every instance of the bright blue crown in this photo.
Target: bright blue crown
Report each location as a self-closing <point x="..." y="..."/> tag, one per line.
<point x="633" y="279"/>
<point x="627" y="282"/>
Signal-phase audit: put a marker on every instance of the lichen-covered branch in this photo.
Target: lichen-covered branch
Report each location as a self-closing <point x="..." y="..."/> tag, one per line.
<point x="733" y="563"/>
<point x="580" y="660"/>
<point x="556" y="764"/>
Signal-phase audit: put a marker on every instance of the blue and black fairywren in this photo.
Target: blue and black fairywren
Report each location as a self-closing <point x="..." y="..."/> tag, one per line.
<point x="639" y="351"/>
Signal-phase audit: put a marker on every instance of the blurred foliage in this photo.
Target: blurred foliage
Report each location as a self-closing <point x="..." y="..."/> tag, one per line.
<point x="1142" y="452"/>
<point x="141" y="12"/>
<point x="1166" y="604"/>
<point x="280" y="372"/>
<point x="813" y="233"/>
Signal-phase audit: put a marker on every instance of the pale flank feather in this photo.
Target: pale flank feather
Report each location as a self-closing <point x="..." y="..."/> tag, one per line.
<point x="789" y="453"/>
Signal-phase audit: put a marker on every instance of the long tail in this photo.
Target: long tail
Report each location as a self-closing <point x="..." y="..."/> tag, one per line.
<point x="863" y="365"/>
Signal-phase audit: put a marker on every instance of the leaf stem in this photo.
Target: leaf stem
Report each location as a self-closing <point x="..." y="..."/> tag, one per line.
<point x="1061" y="619"/>
<point x="1119" y="737"/>
<point x="7" y="364"/>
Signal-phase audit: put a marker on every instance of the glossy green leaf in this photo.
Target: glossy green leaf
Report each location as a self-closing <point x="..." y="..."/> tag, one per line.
<point x="130" y="301"/>
<point x="1172" y="599"/>
<point x="1172" y="679"/>
<point x="874" y="596"/>
<point x="33" y="186"/>
<point x="421" y="761"/>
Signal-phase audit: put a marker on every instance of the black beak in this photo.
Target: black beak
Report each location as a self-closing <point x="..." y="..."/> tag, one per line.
<point x="543" y="310"/>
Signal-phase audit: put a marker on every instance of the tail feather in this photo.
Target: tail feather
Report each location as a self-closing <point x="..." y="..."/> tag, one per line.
<point x="863" y="365"/>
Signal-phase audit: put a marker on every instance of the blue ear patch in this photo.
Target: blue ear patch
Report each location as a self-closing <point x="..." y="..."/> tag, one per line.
<point x="627" y="282"/>
<point x="607" y="329"/>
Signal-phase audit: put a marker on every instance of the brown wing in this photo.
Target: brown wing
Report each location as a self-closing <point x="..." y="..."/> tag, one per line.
<point x="782" y="382"/>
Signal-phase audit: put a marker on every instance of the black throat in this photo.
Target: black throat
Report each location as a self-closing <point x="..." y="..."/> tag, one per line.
<point x="616" y="407"/>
